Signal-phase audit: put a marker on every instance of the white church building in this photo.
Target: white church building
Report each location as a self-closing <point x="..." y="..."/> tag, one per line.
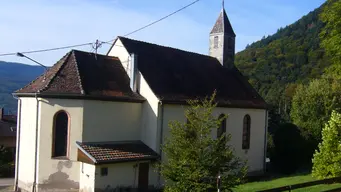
<point x="95" y="122"/>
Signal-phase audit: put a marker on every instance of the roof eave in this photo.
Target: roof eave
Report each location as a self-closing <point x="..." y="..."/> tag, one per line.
<point x="79" y="96"/>
<point x="151" y="158"/>
<point x="240" y="106"/>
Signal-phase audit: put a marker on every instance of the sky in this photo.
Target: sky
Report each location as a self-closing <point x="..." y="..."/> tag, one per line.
<point x="38" y="24"/>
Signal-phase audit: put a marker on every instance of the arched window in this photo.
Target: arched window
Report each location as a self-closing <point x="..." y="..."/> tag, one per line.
<point x="222" y="129"/>
<point x="246" y="132"/>
<point x="216" y="41"/>
<point x="60" y="134"/>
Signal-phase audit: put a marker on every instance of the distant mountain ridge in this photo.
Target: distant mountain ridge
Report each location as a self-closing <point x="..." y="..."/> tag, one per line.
<point x="13" y="76"/>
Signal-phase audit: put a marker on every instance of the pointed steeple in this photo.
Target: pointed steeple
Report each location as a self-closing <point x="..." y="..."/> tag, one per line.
<point x="223" y="24"/>
<point x="222" y="40"/>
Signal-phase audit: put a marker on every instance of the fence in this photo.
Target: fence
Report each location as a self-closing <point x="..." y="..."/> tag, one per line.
<point x="307" y="184"/>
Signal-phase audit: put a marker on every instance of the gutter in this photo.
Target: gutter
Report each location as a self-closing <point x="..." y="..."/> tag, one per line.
<point x="161" y="136"/>
<point x="17" y="145"/>
<point x="36" y="147"/>
<point x="265" y="140"/>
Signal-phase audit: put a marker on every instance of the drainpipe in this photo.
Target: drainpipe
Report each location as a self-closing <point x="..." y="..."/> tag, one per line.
<point x="17" y="144"/>
<point x="265" y="140"/>
<point x="36" y="147"/>
<point x="161" y="136"/>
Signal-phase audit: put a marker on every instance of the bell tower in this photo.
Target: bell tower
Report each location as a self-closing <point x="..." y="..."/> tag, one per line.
<point x="222" y="40"/>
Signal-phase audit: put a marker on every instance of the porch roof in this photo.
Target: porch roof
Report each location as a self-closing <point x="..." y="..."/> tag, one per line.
<point x="114" y="152"/>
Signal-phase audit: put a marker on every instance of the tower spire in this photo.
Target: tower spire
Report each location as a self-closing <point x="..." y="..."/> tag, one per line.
<point x="223" y="4"/>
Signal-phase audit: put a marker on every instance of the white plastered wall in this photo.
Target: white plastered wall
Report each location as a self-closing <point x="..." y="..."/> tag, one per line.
<point x="111" y="121"/>
<point x="87" y="178"/>
<point x="27" y="143"/>
<point x="234" y="126"/>
<point x="58" y="173"/>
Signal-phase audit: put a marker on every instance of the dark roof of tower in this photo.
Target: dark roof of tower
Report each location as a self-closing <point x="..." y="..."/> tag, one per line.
<point x="84" y="74"/>
<point x="223" y="24"/>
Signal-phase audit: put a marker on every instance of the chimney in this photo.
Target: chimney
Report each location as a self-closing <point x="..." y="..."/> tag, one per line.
<point x="134" y="74"/>
<point x="1" y="113"/>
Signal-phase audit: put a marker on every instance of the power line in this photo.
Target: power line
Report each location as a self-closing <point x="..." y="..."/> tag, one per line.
<point x="163" y="18"/>
<point x="92" y="43"/>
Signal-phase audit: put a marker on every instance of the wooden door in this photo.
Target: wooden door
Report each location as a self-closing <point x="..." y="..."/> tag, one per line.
<point x="143" y="176"/>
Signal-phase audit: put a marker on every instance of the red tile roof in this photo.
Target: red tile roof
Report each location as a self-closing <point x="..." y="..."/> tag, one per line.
<point x="119" y="151"/>
<point x="84" y="74"/>
<point x="175" y="76"/>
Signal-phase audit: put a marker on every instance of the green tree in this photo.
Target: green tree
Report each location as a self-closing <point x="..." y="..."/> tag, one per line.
<point x="193" y="158"/>
<point x="331" y="36"/>
<point x="326" y="160"/>
<point x="312" y="106"/>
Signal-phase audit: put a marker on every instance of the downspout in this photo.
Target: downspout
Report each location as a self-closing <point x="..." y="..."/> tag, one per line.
<point x="36" y="147"/>
<point x="161" y="137"/>
<point x="17" y="145"/>
<point x="265" y="140"/>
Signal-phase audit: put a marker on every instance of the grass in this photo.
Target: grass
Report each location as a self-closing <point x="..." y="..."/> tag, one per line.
<point x="6" y="189"/>
<point x="289" y="180"/>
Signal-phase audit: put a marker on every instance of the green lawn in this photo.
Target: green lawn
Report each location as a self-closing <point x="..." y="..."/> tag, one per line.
<point x="263" y="185"/>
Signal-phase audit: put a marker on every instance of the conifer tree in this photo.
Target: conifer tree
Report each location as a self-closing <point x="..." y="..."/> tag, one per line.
<point x="194" y="158"/>
<point x="327" y="159"/>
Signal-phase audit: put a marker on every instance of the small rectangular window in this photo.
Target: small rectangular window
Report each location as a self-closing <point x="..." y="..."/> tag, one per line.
<point x="216" y="41"/>
<point x="104" y="171"/>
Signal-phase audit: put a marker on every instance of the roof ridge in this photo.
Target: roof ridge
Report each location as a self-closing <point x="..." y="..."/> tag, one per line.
<point x="167" y="47"/>
<point x="41" y="75"/>
<point x="79" y="77"/>
<point x="63" y="60"/>
<point x="86" y="52"/>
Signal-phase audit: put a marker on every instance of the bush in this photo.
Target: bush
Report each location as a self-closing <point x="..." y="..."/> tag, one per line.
<point x="288" y="146"/>
<point x="326" y="161"/>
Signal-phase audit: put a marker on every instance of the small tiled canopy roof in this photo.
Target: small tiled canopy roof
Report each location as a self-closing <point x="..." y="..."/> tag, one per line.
<point x="86" y="75"/>
<point x="223" y="25"/>
<point x="176" y="76"/>
<point x="119" y="151"/>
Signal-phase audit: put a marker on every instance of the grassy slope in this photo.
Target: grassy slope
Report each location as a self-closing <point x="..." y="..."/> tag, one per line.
<point x="263" y="185"/>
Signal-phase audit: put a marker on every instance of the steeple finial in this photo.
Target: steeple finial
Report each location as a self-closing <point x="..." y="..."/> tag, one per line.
<point x="223" y="4"/>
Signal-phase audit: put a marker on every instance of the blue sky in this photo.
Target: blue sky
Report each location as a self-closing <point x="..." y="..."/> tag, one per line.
<point x="38" y="24"/>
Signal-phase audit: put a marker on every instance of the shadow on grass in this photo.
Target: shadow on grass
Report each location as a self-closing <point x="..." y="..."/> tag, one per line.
<point x="275" y="175"/>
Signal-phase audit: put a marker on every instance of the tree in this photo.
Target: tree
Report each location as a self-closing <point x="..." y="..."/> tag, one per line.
<point x="331" y="36"/>
<point x="312" y="106"/>
<point x="326" y="160"/>
<point x="193" y="158"/>
<point x="288" y="152"/>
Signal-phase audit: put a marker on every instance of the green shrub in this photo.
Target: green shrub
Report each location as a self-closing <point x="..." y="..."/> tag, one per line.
<point x="287" y="155"/>
<point x="327" y="159"/>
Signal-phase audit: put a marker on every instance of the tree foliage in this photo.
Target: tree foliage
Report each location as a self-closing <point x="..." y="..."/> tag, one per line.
<point x="193" y="158"/>
<point x="326" y="160"/>
<point x="288" y="146"/>
<point x="331" y="36"/>
<point x="312" y="106"/>
<point x="277" y="64"/>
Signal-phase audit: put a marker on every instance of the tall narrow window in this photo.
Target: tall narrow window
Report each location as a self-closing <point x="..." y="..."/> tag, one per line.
<point x="222" y="129"/>
<point x="246" y="132"/>
<point x="60" y="134"/>
<point x="216" y="42"/>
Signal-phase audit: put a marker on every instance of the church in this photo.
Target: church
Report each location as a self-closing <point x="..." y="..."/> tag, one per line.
<point x="96" y="122"/>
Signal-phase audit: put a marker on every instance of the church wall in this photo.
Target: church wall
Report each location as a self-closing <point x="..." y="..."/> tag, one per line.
<point x="255" y="154"/>
<point x="59" y="174"/>
<point x="149" y="131"/>
<point x="87" y="178"/>
<point x="111" y="121"/>
<point x="118" y="50"/>
<point x="217" y="52"/>
<point x="27" y="143"/>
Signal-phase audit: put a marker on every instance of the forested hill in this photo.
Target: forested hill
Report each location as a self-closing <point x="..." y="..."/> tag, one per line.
<point x="13" y="76"/>
<point x="277" y="63"/>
